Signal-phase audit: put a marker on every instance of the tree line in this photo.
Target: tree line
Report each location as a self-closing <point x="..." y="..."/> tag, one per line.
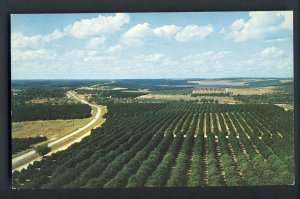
<point x="219" y="94"/>
<point x="270" y="98"/>
<point x="30" y="112"/>
<point x="20" y="144"/>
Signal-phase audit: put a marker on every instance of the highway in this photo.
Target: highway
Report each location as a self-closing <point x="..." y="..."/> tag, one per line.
<point x="59" y="140"/>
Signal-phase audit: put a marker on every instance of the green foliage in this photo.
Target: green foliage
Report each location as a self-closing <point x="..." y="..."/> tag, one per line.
<point x="220" y="94"/>
<point x="43" y="149"/>
<point x="163" y="144"/>
<point x="120" y="94"/>
<point x="270" y="98"/>
<point x="172" y="91"/>
<point x="29" y="112"/>
<point x="19" y="144"/>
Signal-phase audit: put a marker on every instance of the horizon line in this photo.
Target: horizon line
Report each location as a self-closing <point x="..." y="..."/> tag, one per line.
<point x="158" y="78"/>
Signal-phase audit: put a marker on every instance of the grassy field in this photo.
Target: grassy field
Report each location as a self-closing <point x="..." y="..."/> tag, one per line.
<point x="252" y="91"/>
<point x="52" y="100"/>
<point x="219" y="82"/>
<point x="65" y="127"/>
<point x="286" y="81"/>
<point x="165" y="97"/>
<point x="49" y="128"/>
<point x="209" y="90"/>
<point x="222" y="100"/>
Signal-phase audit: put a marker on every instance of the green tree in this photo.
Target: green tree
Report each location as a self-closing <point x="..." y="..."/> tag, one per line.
<point x="43" y="149"/>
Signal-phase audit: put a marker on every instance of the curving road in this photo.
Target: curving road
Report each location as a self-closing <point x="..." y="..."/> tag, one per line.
<point x="59" y="140"/>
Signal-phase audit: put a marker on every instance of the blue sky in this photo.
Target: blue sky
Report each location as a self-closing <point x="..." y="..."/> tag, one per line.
<point x="152" y="45"/>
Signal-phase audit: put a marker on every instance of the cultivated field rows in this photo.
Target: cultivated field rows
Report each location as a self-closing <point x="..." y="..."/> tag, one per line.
<point x="174" y="145"/>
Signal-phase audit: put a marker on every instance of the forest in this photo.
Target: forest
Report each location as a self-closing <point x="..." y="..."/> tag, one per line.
<point x="270" y="98"/>
<point x="30" y="112"/>
<point x="119" y="94"/>
<point x="20" y="144"/>
<point x="221" y="94"/>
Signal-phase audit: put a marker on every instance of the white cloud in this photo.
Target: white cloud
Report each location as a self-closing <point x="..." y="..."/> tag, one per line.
<point x="156" y="62"/>
<point x="152" y="58"/>
<point x="271" y="52"/>
<point x="95" y="42"/>
<point x="261" y="24"/>
<point x="99" y="58"/>
<point x="205" y="56"/>
<point x="136" y="34"/>
<point x="238" y="24"/>
<point x="271" y="61"/>
<point x="91" y="56"/>
<point x="288" y="19"/>
<point x="194" y="32"/>
<point x="167" y="31"/>
<point x="141" y="32"/>
<point x="18" y="40"/>
<point x="86" y="28"/>
<point x="276" y="40"/>
<point x="211" y="63"/>
<point x="56" y="34"/>
<point x="31" y="55"/>
<point x="114" y="49"/>
<point x="75" y="53"/>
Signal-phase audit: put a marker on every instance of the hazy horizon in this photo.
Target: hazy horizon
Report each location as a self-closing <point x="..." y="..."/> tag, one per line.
<point x="169" y="78"/>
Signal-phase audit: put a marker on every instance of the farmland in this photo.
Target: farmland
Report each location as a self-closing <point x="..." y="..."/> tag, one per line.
<point x="170" y="136"/>
<point x="174" y="145"/>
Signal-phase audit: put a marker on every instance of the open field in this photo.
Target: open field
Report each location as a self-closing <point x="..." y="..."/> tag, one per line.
<point x="221" y="99"/>
<point x="93" y="87"/>
<point x="286" y="81"/>
<point x="50" y="128"/>
<point x="251" y="91"/>
<point x="23" y="159"/>
<point x="51" y="100"/>
<point x="84" y="96"/>
<point x="287" y="107"/>
<point x="139" y="90"/>
<point x="219" y="82"/>
<point x="236" y="91"/>
<point x="118" y="88"/>
<point x="209" y="90"/>
<point x="174" y="145"/>
<point x="164" y="97"/>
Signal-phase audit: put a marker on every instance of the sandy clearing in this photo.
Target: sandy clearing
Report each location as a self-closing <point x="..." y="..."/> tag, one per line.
<point x="219" y="82"/>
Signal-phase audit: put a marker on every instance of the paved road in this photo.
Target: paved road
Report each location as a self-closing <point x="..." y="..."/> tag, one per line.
<point x="57" y="141"/>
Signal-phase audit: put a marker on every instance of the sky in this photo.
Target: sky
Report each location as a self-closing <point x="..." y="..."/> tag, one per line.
<point x="152" y="45"/>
